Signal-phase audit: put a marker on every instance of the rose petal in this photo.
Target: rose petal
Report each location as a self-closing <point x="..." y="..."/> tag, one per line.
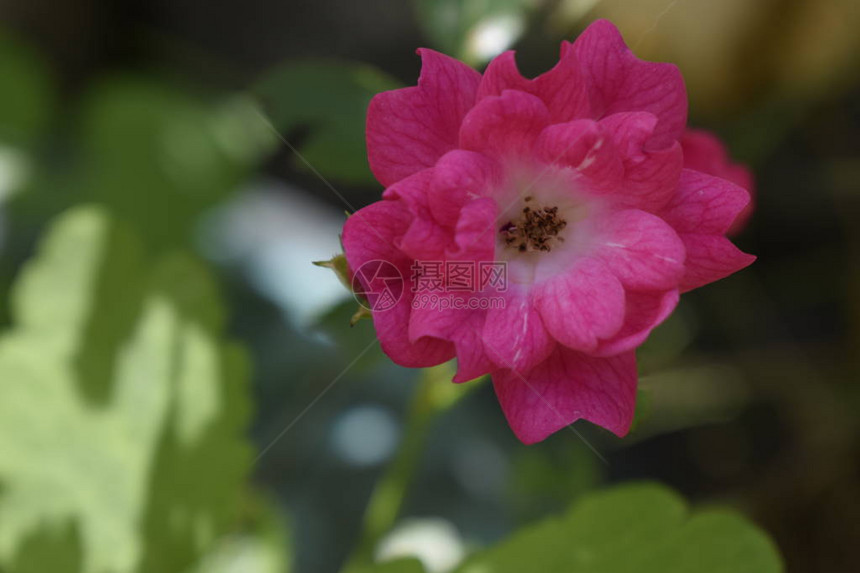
<point x="582" y="306"/>
<point x="566" y="387"/>
<point x="562" y="88"/>
<point x="370" y="235"/>
<point x="514" y="335"/>
<point x="619" y="81"/>
<point x="425" y="239"/>
<point x="650" y="176"/>
<point x="711" y="258"/>
<point x="411" y="128"/>
<point x="463" y="327"/>
<point x="704" y="204"/>
<point x="504" y="126"/>
<point x="583" y="146"/>
<point x="645" y="311"/>
<point x="459" y="177"/>
<point x="641" y="249"/>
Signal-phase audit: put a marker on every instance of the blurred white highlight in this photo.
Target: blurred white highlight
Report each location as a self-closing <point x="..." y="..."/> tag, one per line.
<point x="433" y="541"/>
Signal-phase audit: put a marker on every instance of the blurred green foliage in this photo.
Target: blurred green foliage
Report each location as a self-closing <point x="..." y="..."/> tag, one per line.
<point x="638" y="527"/>
<point x="27" y="97"/>
<point x="397" y="566"/>
<point x="329" y="99"/>
<point x="473" y="30"/>
<point x="150" y="467"/>
<point x="158" y="157"/>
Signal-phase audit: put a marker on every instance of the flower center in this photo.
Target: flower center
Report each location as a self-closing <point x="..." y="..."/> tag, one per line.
<point x="536" y="229"/>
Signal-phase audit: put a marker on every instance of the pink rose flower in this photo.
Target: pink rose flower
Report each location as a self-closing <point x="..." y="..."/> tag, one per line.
<point x="576" y="181"/>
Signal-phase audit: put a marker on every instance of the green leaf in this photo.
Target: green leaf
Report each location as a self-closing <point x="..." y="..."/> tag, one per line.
<point x="408" y="565"/>
<point x="330" y="100"/>
<point x="148" y="465"/>
<point x="27" y="97"/>
<point x="264" y="549"/>
<point x="158" y="157"/>
<point x="55" y="547"/>
<point x="634" y="528"/>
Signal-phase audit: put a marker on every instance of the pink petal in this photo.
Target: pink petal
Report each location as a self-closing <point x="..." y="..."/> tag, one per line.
<point x="561" y="89"/>
<point x="502" y="74"/>
<point x="645" y="311"/>
<point x="582" y="306"/>
<point x="650" y="176"/>
<point x="370" y="235"/>
<point x="566" y="387"/>
<point x="704" y="204"/>
<point x="459" y="177"/>
<point x="583" y="146"/>
<point x="514" y="335"/>
<point x="504" y="126"/>
<point x="463" y="327"/>
<point x="704" y="152"/>
<point x="411" y="128"/>
<point x="641" y="249"/>
<point x="475" y="234"/>
<point x="711" y="258"/>
<point x="424" y="239"/>
<point x="619" y="81"/>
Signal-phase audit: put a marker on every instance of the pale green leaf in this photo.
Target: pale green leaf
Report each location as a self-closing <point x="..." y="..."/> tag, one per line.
<point x="148" y="462"/>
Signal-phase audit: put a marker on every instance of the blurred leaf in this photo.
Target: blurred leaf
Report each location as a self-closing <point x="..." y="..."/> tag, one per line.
<point x="330" y="99"/>
<point x="157" y="157"/>
<point x="50" y="548"/>
<point x="634" y="528"/>
<point x="27" y="97"/>
<point x="408" y="565"/>
<point x="262" y="550"/>
<point x="549" y="477"/>
<point x="643" y="408"/>
<point x="152" y="468"/>
<point x="474" y="31"/>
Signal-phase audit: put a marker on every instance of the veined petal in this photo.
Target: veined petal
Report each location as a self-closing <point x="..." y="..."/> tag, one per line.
<point x="504" y="126"/>
<point x="704" y="152"/>
<point x="705" y="204"/>
<point x="460" y="177"/>
<point x="514" y="335"/>
<point x="411" y="128"/>
<point x="650" y="176"/>
<point x="581" y="306"/>
<point x="711" y="258"/>
<point x="562" y="88"/>
<point x="566" y="387"/>
<point x="583" y="146"/>
<point x="619" y="81"/>
<point x="463" y="327"/>
<point x="641" y="249"/>
<point x="424" y="239"/>
<point x="645" y="311"/>
<point x="370" y="235"/>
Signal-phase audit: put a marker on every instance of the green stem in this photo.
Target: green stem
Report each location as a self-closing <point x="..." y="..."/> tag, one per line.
<point x="435" y="393"/>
